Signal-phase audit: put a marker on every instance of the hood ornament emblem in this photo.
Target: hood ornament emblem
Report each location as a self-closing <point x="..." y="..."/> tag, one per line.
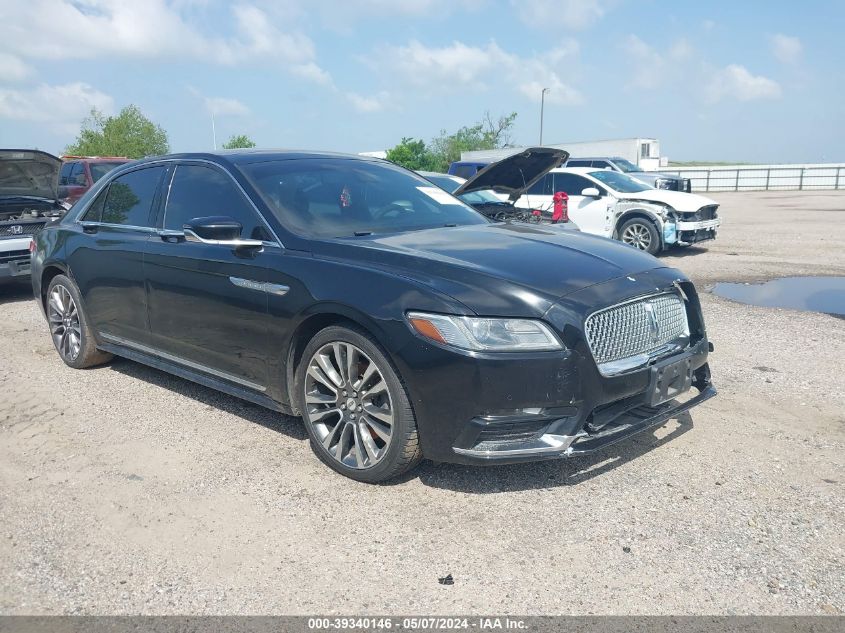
<point x="653" y="324"/>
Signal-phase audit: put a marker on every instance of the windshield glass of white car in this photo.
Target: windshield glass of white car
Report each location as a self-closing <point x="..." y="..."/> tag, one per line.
<point x="620" y="182"/>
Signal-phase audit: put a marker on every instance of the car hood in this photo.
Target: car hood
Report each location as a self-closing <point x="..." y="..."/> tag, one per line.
<point x="678" y="200"/>
<point x="516" y="173"/>
<point x="497" y="269"/>
<point x="28" y="172"/>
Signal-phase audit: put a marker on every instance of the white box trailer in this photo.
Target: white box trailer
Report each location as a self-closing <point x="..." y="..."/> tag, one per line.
<point x="644" y="152"/>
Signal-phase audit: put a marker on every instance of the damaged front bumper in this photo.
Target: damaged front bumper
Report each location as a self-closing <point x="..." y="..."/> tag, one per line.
<point x="607" y="426"/>
<point x="683" y="233"/>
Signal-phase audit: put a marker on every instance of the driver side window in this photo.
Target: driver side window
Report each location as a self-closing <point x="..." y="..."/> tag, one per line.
<point x="197" y="191"/>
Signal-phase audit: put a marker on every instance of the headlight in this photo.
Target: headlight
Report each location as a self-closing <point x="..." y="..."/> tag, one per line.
<point x="485" y="334"/>
<point x="663" y="183"/>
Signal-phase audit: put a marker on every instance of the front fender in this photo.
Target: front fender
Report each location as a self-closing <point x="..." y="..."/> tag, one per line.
<point x="657" y="213"/>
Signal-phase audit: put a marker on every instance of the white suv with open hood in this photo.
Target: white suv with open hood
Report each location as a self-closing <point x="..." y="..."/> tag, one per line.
<point x="29" y="182"/>
<point x="611" y="204"/>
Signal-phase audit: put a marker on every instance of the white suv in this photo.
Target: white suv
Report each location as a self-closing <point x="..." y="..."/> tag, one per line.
<point x="611" y="204"/>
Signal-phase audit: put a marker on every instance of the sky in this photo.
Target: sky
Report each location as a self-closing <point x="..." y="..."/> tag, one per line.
<point x="740" y="80"/>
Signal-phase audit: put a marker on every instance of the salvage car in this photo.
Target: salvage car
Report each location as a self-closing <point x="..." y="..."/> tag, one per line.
<point x="611" y="204"/>
<point x="493" y="190"/>
<point x="396" y="320"/>
<point x="655" y="179"/>
<point x="28" y="201"/>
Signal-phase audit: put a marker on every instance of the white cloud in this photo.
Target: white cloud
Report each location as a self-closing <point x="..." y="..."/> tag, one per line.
<point x="224" y="106"/>
<point x="13" y="68"/>
<point x="454" y="64"/>
<point x="150" y="29"/>
<point x="786" y="48"/>
<point x="652" y="67"/>
<point x="312" y="72"/>
<point x="555" y="14"/>
<point x="369" y="103"/>
<point x="735" y="81"/>
<point x="459" y="66"/>
<point x="61" y="106"/>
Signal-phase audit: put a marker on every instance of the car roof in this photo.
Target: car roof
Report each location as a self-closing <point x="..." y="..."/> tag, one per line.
<point x="596" y="158"/>
<point x="576" y="170"/>
<point x="247" y="156"/>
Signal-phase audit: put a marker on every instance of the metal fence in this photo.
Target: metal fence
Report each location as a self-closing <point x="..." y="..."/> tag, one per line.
<point x="763" y="177"/>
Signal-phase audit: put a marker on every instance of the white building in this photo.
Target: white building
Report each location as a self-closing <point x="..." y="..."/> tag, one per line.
<point x="644" y="152"/>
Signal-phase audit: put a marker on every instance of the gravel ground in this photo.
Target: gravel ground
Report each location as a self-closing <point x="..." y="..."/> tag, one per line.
<point x="124" y="490"/>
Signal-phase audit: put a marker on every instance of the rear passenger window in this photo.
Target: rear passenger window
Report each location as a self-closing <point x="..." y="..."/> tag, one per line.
<point x="572" y="184"/>
<point x="578" y="163"/>
<point x="465" y="171"/>
<point x="129" y="199"/>
<point x="542" y="187"/>
<point x="198" y="192"/>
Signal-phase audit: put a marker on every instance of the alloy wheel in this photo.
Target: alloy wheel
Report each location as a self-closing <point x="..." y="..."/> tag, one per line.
<point x="638" y="236"/>
<point x="348" y="405"/>
<point x="63" y="317"/>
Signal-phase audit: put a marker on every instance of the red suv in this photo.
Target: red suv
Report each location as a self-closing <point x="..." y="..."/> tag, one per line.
<point x="79" y="173"/>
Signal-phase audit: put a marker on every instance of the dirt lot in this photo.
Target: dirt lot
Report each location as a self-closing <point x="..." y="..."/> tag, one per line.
<point x="126" y="490"/>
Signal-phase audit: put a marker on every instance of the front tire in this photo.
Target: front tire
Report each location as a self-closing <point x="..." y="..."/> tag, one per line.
<point x="641" y="234"/>
<point x="356" y="410"/>
<point x="69" y="326"/>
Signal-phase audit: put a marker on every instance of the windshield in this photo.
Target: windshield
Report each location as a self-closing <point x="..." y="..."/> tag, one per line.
<point x="347" y="197"/>
<point x="626" y="165"/>
<point x="98" y="170"/>
<point x="485" y="196"/>
<point x="446" y="183"/>
<point x="619" y="182"/>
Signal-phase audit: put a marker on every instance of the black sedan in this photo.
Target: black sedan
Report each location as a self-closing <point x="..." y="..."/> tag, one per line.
<point x="396" y="320"/>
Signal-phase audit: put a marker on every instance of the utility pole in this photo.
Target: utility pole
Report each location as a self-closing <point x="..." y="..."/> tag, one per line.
<point x="213" y="132"/>
<point x="542" y="105"/>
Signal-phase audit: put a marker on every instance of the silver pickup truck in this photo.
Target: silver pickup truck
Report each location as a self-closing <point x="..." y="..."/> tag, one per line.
<point x="653" y="178"/>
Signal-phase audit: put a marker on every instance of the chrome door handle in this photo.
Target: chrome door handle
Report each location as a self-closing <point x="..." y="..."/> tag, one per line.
<point x="168" y="235"/>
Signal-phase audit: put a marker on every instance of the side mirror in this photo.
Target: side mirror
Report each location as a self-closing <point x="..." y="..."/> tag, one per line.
<point x="591" y="192"/>
<point x="214" y="228"/>
<point x="219" y="231"/>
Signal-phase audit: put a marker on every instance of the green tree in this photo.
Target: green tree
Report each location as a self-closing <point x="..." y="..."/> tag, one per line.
<point x="486" y="134"/>
<point x="129" y="134"/>
<point x="412" y="154"/>
<point x="239" y="141"/>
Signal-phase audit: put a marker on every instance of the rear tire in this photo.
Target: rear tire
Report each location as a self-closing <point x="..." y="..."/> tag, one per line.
<point x="69" y="326"/>
<point x="641" y="234"/>
<point x="355" y="407"/>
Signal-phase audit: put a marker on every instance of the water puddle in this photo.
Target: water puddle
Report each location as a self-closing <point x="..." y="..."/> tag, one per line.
<point x="816" y="294"/>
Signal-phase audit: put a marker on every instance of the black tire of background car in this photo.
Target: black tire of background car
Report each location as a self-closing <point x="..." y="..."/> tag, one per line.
<point x="654" y="246"/>
<point x="404" y="452"/>
<point x="89" y="355"/>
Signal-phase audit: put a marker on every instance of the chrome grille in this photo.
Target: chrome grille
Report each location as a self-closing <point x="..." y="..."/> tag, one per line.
<point x="636" y="328"/>
<point x="21" y="229"/>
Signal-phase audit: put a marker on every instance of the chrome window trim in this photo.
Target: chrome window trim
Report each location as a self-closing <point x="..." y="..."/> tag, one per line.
<point x="128" y="227"/>
<point x="166" y="162"/>
<point x="181" y="361"/>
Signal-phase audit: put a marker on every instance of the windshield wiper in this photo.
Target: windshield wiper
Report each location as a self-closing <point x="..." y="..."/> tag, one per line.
<point x="362" y="233"/>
